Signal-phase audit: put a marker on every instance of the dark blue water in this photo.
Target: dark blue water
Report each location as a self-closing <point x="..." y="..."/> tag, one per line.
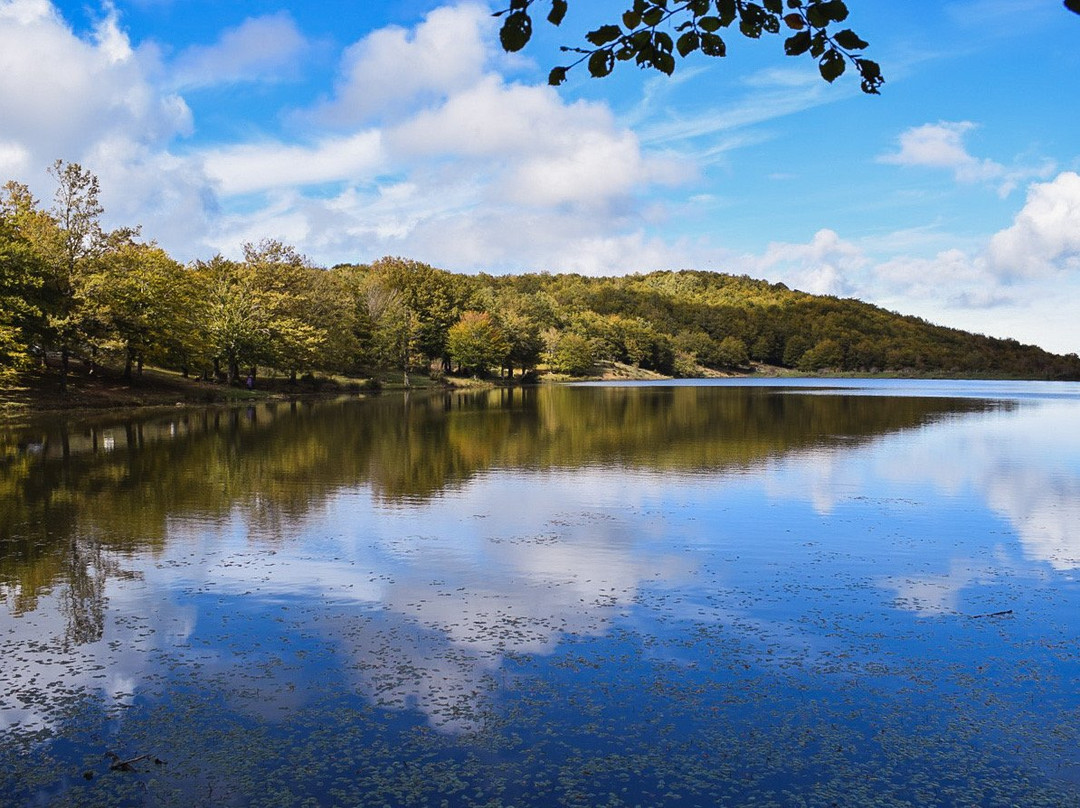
<point x="862" y="594"/>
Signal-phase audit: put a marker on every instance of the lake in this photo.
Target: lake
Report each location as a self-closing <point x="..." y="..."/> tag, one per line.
<point x="785" y="593"/>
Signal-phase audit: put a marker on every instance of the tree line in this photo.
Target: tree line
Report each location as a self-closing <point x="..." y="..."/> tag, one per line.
<point x="71" y="290"/>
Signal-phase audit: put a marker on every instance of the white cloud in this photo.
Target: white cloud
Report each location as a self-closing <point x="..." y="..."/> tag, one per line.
<point x="390" y="69"/>
<point x="941" y="145"/>
<point x="468" y="171"/>
<point x="827" y="265"/>
<point x="260" y="48"/>
<point x="14" y="159"/>
<point x="26" y="12"/>
<point x="247" y="168"/>
<point x="539" y="150"/>
<point x="93" y="101"/>
<point x="1045" y="236"/>
<point x="1040" y="247"/>
<point x="61" y="92"/>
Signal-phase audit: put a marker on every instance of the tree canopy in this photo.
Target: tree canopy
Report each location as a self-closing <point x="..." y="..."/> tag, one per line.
<point x="71" y="290"/>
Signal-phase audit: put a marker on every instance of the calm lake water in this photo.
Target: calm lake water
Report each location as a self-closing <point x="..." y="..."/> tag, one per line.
<point x="793" y="594"/>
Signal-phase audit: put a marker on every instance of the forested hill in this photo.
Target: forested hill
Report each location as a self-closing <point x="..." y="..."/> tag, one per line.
<point x="661" y="319"/>
<point x="71" y="291"/>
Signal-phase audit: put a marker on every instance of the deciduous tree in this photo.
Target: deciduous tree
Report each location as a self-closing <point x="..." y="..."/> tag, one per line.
<point x="476" y="342"/>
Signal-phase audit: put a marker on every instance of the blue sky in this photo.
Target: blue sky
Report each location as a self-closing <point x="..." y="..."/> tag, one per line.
<point x="354" y="130"/>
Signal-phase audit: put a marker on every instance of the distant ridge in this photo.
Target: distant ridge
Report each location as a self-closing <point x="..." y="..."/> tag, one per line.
<point x="698" y="311"/>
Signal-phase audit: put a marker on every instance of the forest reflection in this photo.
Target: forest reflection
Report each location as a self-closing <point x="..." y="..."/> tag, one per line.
<point x="70" y="489"/>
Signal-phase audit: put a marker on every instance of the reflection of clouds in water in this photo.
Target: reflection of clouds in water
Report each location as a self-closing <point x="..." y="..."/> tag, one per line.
<point x="539" y="557"/>
<point x="1045" y="512"/>
<point x="1022" y="464"/>
<point x="509" y="564"/>
<point x="43" y="675"/>
<point x="398" y="664"/>
<point x="824" y="475"/>
<point x="934" y="594"/>
<point x="428" y="601"/>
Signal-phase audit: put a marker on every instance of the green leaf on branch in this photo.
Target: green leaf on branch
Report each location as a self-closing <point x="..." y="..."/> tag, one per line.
<point x="654" y="16"/>
<point x="831" y="65"/>
<point x="558" y="11"/>
<point x="871" y="76"/>
<point x="604" y="34"/>
<point x="710" y="24"/>
<point x="687" y="43"/>
<point x="750" y="28"/>
<point x="664" y="62"/>
<point x="849" y="39"/>
<point x="601" y="63"/>
<point x="515" y="32"/>
<point x="557" y="76"/>
<point x="797" y="44"/>
<point x="795" y="22"/>
<point x="837" y="10"/>
<point x="727" y="11"/>
<point x="713" y="45"/>
<point x="1073" y="6"/>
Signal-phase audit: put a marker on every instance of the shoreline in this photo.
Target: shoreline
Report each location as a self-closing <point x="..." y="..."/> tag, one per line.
<point x="30" y="394"/>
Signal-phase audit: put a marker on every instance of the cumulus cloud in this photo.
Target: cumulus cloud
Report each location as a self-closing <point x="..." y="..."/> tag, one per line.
<point x="1042" y="243"/>
<point x="941" y="145"/>
<point x="95" y="101"/>
<point x="449" y="163"/>
<point x="61" y="92"/>
<point x="14" y="159"/>
<point x="541" y="150"/>
<point x="247" y="168"/>
<point x="444" y="53"/>
<point x="826" y="265"/>
<point x="1045" y="236"/>
<point x="259" y="49"/>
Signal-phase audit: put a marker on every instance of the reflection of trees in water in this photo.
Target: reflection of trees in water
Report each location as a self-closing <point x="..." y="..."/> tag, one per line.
<point x="123" y="480"/>
<point x="83" y="599"/>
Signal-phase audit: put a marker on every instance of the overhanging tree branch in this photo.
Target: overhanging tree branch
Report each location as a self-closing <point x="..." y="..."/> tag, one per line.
<point x="652" y="32"/>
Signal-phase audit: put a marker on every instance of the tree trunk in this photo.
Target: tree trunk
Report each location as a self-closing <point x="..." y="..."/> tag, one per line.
<point x="64" y="363"/>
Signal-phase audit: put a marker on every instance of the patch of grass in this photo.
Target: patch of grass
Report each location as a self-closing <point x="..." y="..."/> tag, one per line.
<point x="105" y="388"/>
